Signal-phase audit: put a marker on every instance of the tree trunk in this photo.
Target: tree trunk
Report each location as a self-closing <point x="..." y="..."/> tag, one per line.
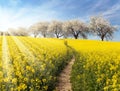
<point x="102" y="37"/>
<point x="57" y="36"/>
<point x="35" y="36"/>
<point x="44" y="35"/>
<point x="76" y="36"/>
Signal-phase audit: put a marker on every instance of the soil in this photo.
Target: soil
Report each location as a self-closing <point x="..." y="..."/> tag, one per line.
<point x="64" y="78"/>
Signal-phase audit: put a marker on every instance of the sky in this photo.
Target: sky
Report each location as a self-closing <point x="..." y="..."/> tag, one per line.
<point x="24" y="13"/>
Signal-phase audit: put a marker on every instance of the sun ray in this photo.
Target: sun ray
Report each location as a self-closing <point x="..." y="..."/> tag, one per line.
<point x="5" y="56"/>
<point x="24" y="49"/>
<point x="8" y="69"/>
<point x="5" y="51"/>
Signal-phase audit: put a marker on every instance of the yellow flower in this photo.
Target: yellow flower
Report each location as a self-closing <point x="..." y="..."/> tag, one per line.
<point x="14" y="80"/>
<point x="44" y="80"/>
<point x="45" y="87"/>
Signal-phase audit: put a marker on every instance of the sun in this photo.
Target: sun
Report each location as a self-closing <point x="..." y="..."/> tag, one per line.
<point x="5" y="24"/>
<point x="6" y="20"/>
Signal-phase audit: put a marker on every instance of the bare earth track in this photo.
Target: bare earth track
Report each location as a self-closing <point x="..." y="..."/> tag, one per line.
<point x="64" y="78"/>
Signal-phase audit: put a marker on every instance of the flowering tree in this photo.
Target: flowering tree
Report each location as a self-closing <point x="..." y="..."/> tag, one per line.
<point x="101" y="27"/>
<point x="43" y="28"/>
<point x="56" y="28"/>
<point x="76" y="28"/>
<point x="22" y="31"/>
<point x="17" y="32"/>
<point x="34" y="30"/>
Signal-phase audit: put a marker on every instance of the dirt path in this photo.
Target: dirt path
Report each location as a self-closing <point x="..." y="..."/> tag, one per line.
<point x="64" y="78"/>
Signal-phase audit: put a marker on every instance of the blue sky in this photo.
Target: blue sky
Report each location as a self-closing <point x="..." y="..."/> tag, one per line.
<point x="16" y="13"/>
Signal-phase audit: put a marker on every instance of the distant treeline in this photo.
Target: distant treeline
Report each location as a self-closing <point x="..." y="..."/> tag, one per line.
<point x="76" y="28"/>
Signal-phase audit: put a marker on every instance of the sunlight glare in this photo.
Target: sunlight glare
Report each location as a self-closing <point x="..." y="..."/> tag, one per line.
<point x="24" y="49"/>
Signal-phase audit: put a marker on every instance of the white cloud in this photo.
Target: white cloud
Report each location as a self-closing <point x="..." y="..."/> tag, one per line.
<point x="112" y="10"/>
<point x="99" y="4"/>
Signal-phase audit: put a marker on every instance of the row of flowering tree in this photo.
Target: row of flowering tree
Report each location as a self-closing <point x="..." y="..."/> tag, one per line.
<point x="76" y="28"/>
<point x="60" y="29"/>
